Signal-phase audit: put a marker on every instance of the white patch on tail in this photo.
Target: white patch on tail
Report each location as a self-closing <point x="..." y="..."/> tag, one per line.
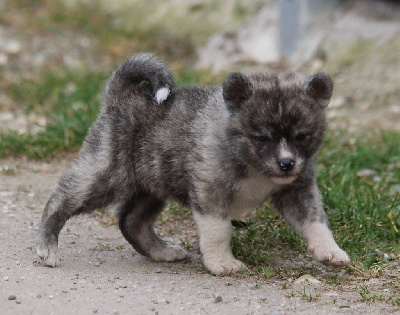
<point x="162" y="95"/>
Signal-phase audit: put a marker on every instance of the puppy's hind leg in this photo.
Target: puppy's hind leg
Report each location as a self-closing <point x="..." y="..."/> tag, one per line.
<point x="80" y="190"/>
<point x="136" y="219"/>
<point x="52" y="222"/>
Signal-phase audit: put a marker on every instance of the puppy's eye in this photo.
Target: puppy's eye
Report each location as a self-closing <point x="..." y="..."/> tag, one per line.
<point x="261" y="139"/>
<point x="301" y="137"/>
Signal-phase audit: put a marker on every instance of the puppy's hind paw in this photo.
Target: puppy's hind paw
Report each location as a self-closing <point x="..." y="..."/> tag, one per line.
<point x="222" y="268"/>
<point x="168" y="253"/>
<point x="48" y="255"/>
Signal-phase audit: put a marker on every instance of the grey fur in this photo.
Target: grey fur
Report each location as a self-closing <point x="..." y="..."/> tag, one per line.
<point x="217" y="149"/>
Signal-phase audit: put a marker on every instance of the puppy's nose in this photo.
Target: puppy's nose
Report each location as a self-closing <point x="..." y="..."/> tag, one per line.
<point x="286" y="165"/>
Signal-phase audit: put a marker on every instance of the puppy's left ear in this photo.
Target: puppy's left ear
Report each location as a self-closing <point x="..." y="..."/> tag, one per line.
<point x="236" y="89"/>
<point x="319" y="87"/>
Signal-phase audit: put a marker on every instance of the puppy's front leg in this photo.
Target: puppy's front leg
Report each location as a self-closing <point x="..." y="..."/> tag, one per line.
<point x="302" y="208"/>
<point x="215" y="238"/>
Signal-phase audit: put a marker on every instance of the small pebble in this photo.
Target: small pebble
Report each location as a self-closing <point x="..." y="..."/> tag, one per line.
<point x="39" y="296"/>
<point x="374" y="281"/>
<point x="18" y="301"/>
<point x="3" y="59"/>
<point x="5" y="278"/>
<point x="338" y="102"/>
<point x="395" y="189"/>
<point x="218" y="299"/>
<point x="12" y="47"/>
<point x="160" y="301"/>
<point x="306" y="279"/>
<point x="376" y="179"/>
<point x="51" y="296"/>
<point x="12" y="297"/>
<point x="158" y="270"/>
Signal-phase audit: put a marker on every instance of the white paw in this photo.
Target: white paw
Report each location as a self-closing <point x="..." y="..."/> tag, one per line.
<point x="48" y="255"/>
<point x="168" y="253"/>
<point x="225" y="267"/>
<point x="330" y="256"/>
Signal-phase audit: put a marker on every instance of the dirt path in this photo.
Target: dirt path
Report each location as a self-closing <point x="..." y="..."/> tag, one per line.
<point x="100" y="272"/>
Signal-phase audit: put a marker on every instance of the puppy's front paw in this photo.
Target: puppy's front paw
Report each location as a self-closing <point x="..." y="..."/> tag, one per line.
<point x="330" y="255"/>
<point x="224" y="267"/>
<point x="48" y="254"/>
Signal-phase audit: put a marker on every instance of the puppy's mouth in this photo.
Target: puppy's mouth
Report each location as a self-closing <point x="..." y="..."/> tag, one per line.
<point x="283" y="179"/>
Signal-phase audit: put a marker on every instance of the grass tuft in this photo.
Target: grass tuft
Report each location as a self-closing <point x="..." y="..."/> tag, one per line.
<point x="70" y="101"/>
<point x="369" y="297"/>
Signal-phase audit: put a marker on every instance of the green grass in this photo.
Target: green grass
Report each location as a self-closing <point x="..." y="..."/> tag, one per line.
<point x="69" y="100"/>
<point x="309" y="297"/>
<point x="369" y="297"/>
<point x="364" y="211"/>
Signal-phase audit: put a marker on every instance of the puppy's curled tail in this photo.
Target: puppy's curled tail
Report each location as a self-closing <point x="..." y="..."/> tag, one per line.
<point x="138" y="68"/>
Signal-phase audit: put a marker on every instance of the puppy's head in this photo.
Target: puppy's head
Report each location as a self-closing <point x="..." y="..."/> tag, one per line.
<point x="277" y="122"/>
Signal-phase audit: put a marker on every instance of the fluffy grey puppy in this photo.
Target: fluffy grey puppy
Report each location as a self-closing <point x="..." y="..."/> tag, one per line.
<point x="222" y="150"/>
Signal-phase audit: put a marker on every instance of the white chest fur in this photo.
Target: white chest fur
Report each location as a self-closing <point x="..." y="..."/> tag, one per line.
<point x="251" y="193"/>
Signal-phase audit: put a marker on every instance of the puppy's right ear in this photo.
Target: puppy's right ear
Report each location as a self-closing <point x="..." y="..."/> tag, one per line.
<point x="236" y="89"/>
<point x="319" y="87"/>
